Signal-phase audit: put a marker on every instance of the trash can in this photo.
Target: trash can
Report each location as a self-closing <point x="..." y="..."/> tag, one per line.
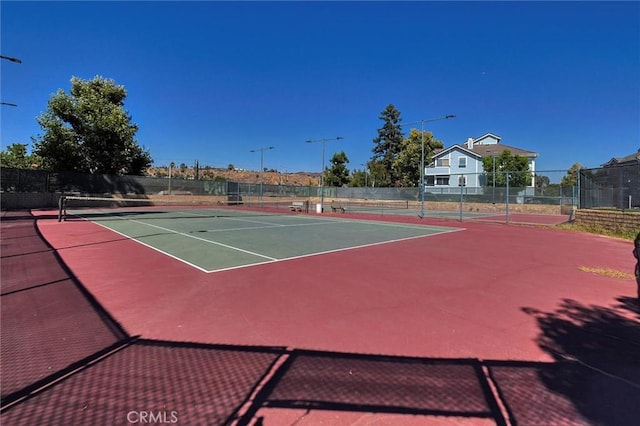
<point x="319" y="208"/>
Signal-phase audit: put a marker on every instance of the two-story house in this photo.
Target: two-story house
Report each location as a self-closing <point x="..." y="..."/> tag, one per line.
<point x="465" y="160"/>
<point x="621" y="177"/>
<point x="623" y="161"/>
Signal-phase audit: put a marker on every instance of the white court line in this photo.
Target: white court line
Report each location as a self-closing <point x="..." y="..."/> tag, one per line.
<point x="322" y="221"/>
<point x="271" y="226"/>
<point x="319" y="221"/>
<point x="334" y="251"/>
<point x="239" y="219"/>
<point x="382" y="223"/>
<point x="325" y="220"/>
<point x="228" y="217"/>
<point x="269" y="258"/>
<point x="204" y="240"/>
<point x="128" y="237"/>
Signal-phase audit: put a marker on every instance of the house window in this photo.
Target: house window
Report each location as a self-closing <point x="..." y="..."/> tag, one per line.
<point x="462" y="162"/>
<point x="430" y="180"/>
<point x="442" y="162"/>
<point x="442" y="180"/>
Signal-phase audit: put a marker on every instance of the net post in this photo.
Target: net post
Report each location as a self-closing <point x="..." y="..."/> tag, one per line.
<point x="61" y="207"/>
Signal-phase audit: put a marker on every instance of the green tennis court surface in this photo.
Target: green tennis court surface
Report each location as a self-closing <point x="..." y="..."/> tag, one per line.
<point x="219" y="239"/>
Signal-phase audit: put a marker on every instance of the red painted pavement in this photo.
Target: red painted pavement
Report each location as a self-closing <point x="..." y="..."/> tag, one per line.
<point x="454" y="295"/>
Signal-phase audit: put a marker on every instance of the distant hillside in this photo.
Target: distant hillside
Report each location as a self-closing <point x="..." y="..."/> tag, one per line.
<point x="246" y="176"/>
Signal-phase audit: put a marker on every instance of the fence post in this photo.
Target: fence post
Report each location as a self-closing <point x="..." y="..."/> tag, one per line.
<point x="461" y="185"/>
<point x="507" y="198"/>
<point x="579" y="178"/>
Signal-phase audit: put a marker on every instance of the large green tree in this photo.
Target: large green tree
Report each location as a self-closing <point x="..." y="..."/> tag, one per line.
<point x="516" y="165"/>
<point x="337" y="174"/>
<point x="359" y="178"/>
<point x="571" y="178"/>
<point x="16" y="156"/>
<point x="542" y="183"/>
<point x="378" y="175"/>
<point x="408" y="161"/>
<point x="88" y="130"/>
<point x="388" y="145"/>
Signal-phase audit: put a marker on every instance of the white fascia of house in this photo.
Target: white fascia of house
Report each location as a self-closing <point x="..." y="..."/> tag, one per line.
<point x="446" y="166"/>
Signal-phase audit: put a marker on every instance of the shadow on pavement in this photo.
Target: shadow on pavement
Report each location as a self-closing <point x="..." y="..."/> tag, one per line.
<point x="597" y="373"/>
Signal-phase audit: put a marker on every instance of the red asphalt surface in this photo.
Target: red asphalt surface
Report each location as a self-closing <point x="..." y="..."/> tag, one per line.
<point x="458" y="295"/>
<point x="454" y="295"/>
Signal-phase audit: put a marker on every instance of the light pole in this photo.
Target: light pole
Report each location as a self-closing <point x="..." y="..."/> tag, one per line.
<point x="262" y="150"/>
<point x="9" y="58"/>
<point x="366" y="172"/>
<point x="17" y="61"/>
<point x="323" y="140"/>
<point x="171" y="166"/>
<point x="446" y="117"/>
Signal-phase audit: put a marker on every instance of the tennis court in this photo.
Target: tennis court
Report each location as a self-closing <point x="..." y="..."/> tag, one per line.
<point x="226" y="237"/>
<point x="310" y="319"/>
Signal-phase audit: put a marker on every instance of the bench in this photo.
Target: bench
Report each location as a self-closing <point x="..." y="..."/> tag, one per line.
<point x="297" y="206"/>
<point x="337" y="206"/>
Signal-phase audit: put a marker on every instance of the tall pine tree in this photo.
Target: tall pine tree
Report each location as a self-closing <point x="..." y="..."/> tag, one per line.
<point x="337" y="174"/>
<point x="387" y="147"/>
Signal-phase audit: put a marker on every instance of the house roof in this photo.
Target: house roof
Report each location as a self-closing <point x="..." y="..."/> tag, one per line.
<point x="486" y="135"/>
<point x="496" y="149"/>
<point x="453" y="147"/>
<point x="635" y="157"/>
<point x="486" y="150"/>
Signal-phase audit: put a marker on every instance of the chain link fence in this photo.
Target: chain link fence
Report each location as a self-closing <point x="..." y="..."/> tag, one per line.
<point x="616" y="187"/>
<point x="612" y="187"/>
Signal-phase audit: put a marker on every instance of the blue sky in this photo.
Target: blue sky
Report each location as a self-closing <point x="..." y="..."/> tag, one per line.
<point x="211" y="81"/>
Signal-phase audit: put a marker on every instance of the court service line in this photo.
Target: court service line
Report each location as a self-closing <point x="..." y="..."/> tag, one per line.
<point x="239" y="219"/>
<point x="383" y="223"/>
<point x="205" y="240"/>
<point x="330" y="220"/>
<point x="319" y="221"/>
<point x="270" y="259"/>
<point x="129" y="237"/>
<point x="229" y="218"/>
<point x="273" y="225"/>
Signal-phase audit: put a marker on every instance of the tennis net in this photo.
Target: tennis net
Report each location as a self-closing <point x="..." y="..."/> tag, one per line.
<point x="87" y="207"/>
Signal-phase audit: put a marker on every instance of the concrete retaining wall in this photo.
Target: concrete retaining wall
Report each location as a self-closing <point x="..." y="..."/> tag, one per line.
<point x="609" y="219"/>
